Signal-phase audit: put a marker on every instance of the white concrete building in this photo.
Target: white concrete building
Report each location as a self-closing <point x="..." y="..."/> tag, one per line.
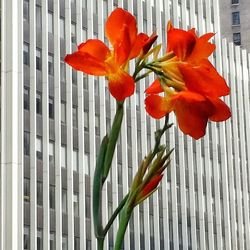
<point x="52" y="121"/>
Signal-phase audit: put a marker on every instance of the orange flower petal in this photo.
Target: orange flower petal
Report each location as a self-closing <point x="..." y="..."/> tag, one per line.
<point x="157" y="106"/>
<point x="192" y="111"/>
<point x="121" y="85"/>
<point x="90" y="58"/>
<point x="115" y="25"/>
<point x="204" y="79"/>
<point x="153" y="183"/>
<point x="221" y="110"/>
<point x="141" y="40"/>
<point x="202" y="49"/>
<point x="149" y="43"/>
<point x="154" y="88"/>
<point x="180" y="42"/>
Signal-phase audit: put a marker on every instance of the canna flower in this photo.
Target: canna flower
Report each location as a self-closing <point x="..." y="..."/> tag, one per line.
<point x="95" y="58"/>
<point x="192" y="109"/>
<point x="191" y="65"/>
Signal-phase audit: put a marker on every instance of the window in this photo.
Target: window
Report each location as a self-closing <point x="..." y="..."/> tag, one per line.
<point x="26" y="10"/>
<point x="26" y="190"/>
<point x="74" y="116"/>
<point x="39" y="153"/>
<point x="38" y="59"/>
<point x="236" y="18"/>
<point x="86" y="163"/>
<point x="52" y="197"/>
<point x="52" y="241"/>
<point x="62" y="71"/>
<point x="26" y="59"/>
<point x="26" y="142"/>
<point x="86" y="121"/>
<point x="51" y="152"/>
<point x="87" y="206"/>
<point x="235" y="1"/>
<point x="51" y="64"/>
<point x="62" y="28"/>
<point x="38" y="17"/>
<point x="39" y="239"/>
<point x="26" y="238"/>
<point x="77" y="243"/>
<point x="119" y="173"/>
<point x="137" y="100"/>
<point x="84" y="4"/>
<point x="74" y="77"/>
<point x="73" y="32"/>
<point x="26" y="101"/>
<point x="75" y="160"/>
<point x="50" y="22"/>
<point x="63" y="156"/>
<point x="39" y="190"/>
<point x="97" y="125"/>
<point x="64" y="201"/>
<point x="51" y="108"/>
<point x="39" y="103"/>
<point x="76" y="204"/>
<point x="63" y="112"/>
<point x="237" y="38"/>
<point x="64" y="243"/>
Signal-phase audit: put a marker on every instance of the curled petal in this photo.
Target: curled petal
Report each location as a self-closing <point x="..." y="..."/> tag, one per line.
<point x="202" y="49"/>
<point x="221" y="110"/>
<point x="141" y="40"/>
<point x="204" y="79"/>
<point x="115" y="25"/>
<point x="154" y="88"/>
<point x="180" y="42"/>
<point x="149" y="43"/>
<point x="90" y="58"/>
<point x="121" y="85"/>
<point x="192" y="111"/>
<point x="157" y="106"/>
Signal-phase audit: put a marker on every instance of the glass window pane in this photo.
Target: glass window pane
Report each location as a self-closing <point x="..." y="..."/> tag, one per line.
<point x="52" y="197"/>
<point x="73" y="32"/>
<point x="26" y="58"/>
<point x="39" y="239"/>
<point x="64" y="243"/>
<point x="62" y="28"/>
<point x="63" y="112"/>
<point x="76" y="204"/>
<point x="38" y="17"/>
<point x="26" y="10"/>
<point x="51" y="108"/>
<point x="75" y="160"/>
<point x="236" y="18"/>
<point x="74" y="117"/>
<point x="51" y="152"/>
<point x="26" y="238"/>
<point x="86" y="121"/>
<point x="39" y="103"/>
<point x="26" y="101"/>
<point x="39" y="153"/>
<point x="26" y="190"/>
<point x="237" y="38"/>
<point x="26" y="141"/>
<point x="39" y="193"/>
<point x="86" y="163"/>
<point x="64" y="201"/>
<point x="62" y="71"/>
<point x="38" y="59"/>
<point x="50" y="22"/>
<point x="51" y="64"/>
<point x="63" y="156"/>
<point x="52" y="241"/>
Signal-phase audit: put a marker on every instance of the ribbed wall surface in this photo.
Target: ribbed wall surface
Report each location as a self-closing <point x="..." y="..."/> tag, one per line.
<point x="203" y="201"/>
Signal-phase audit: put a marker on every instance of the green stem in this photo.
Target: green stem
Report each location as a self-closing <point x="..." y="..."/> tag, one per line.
<point x="100" y="242"/>
<point x="124" y="220"/>
<point x="97" y="188"/>
<point x="114" y="133"/>
<point x="116" y="212"/>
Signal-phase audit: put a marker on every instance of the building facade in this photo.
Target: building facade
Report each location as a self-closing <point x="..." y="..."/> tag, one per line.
<point x="235" y="22"/>
<point x="53" y="118"/>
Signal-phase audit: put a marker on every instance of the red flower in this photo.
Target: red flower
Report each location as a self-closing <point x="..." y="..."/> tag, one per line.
<point x="95" y="58"/>
<point x="191" y="64"/>
<point x="192" y="110"/>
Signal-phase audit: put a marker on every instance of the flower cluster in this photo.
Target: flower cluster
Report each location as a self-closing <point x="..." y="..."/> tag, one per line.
<point x="190" y="84"/>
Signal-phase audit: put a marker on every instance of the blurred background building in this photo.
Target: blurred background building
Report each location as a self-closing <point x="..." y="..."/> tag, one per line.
<point x="235" y="22"/>
<point x="53" y="118"/>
